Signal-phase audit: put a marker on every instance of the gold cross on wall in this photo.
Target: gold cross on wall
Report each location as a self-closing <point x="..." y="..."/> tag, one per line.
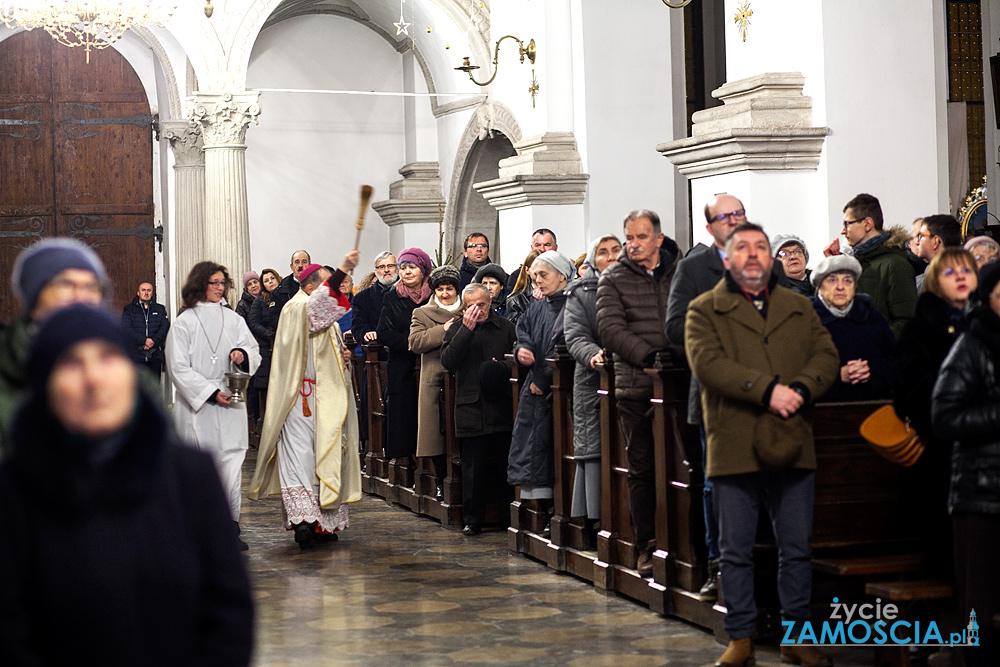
<point x="533" y="88"/>
<point x="742" y="18"/>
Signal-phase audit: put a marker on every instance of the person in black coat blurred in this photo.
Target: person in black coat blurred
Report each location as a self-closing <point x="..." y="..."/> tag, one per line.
<point x="147" y="325"/>
<point x="475" y="352"/>
<point x="922" y="347"/>
<point x="116" y="542"/>
<point x="862" y="336"/>
<point x="966" y="411"/>
<point x="393" y="332"/>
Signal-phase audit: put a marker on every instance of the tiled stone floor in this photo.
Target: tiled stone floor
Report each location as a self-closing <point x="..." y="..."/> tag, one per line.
<point x="399" y="589"/>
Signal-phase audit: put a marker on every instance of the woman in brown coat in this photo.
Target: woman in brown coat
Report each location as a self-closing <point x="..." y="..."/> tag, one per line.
<point x="427" y="328"/>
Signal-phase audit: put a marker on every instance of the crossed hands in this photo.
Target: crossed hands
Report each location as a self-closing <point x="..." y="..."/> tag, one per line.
<point x="785" y="401"/>
<point x="855" y="371"/>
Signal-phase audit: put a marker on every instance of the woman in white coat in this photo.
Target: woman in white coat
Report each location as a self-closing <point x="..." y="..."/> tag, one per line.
<point x="204" y="338"/>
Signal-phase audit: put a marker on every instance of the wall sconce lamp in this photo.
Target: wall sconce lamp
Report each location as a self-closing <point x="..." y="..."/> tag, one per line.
<point x="679" y="5"/>
<point x="523" y="50"/>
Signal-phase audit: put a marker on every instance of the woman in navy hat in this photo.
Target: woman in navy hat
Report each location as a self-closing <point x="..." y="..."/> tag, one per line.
<point x="111" y="532"/>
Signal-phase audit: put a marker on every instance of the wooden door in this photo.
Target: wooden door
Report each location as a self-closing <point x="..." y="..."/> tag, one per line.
<point x="76" y="159"/>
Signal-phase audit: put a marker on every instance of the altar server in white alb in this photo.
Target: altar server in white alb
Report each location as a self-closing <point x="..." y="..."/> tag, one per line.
<point x="205" y="338"/>
<point x="309" y="444"/>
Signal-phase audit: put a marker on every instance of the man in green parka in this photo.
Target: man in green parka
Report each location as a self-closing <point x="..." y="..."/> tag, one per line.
<point x="49" y="275"/>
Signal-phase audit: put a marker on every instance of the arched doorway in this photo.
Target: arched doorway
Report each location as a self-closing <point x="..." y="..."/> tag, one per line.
<point x="473" y="212"/>
<point x="76" y="159"/>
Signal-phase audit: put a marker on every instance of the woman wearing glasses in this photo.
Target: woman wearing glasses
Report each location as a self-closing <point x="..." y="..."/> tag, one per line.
<point x="205" y="338"/>
<point x="923" y="345"/>
<point x="791" y="252"/>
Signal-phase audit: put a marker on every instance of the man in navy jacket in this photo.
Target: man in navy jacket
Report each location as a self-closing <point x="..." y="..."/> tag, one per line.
<point x="146" y="323"/>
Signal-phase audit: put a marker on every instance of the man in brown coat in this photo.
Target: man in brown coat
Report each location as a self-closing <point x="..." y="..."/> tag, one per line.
<point x="762" y="356"/>
<point x="631" y="307"/>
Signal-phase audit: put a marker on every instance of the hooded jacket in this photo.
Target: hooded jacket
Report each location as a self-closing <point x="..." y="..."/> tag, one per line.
<point x="888" y="278"/>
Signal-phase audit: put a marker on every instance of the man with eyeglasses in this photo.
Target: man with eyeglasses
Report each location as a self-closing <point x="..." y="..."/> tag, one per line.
<point x="475" y="256"/>
<point x="368" y="302"/>
<point x="791" y="251"/>
<point x="937" y="232"/>
<point x="886" y="274"/>
<point x="698" y="272"/>
<point x="48" y="276"/>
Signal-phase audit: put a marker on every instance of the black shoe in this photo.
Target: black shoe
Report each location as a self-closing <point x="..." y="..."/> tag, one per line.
<point x="471" y="529"/>
<point x="645" y="563"/>
<point x="305" y="535"/>
<point x="323" y="538"/>
<point x="439" y="494"/>
<point x="243" y="545"/>
<point x="710" y="591"/>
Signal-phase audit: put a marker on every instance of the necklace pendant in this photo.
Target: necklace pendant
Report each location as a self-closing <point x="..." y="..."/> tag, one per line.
<point x="214" y="359"/>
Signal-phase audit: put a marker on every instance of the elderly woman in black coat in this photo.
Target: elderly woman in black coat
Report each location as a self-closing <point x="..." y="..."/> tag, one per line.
<point x="862" y="336"/>
<point x="116" y="542"/>
<point x="531" y="464"/>
<point x="580" y="331"/>
<point x="966" y="411"/>
<point x="401" y="403"/>
<point x="922" y="347"/>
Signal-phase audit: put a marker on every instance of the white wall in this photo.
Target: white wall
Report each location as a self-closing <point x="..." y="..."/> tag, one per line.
<point x="309" y="156"/>
<point x="991" y="46"/>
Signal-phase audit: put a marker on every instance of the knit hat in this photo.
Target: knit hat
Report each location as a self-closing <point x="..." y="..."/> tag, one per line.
<point x="559" y="262"/>
<point x="781" y="240"/>
<point x="46" y="259"/>
<point x="418" y="257"/>
<point x="982" y="240"/>
<point x="250" y="275"/>
<point x="833" y="264"/>
<point x="491" y="271"/>
<point x="445" y="274"/>
<point x="308" y="270"/>
<point x="64" y="329"/>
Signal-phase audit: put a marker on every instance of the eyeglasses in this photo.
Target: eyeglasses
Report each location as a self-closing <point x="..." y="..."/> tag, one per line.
<point x="955" y="270"/>
<point x="385" y="267"/>
<point x="737" y="214"/>
<point x="794" y="252"/>
<point x="848" y="223"/>
<point x="65" y="285"/>
<point x="217" y="283"/>
<point x="477" y="245"/>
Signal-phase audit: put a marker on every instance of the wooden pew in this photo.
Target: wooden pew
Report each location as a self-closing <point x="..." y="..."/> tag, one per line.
<point x="375" y="478"/>
<point x="357" y="375"/>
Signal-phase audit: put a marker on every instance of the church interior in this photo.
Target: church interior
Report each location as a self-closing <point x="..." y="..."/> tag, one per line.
<point x="242" y="131"/>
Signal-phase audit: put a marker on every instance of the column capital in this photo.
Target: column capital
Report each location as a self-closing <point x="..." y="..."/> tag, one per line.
<point x="186" y="141"/>
<point x="224" y="117"/>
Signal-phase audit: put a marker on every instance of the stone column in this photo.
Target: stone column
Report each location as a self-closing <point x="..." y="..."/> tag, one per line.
<point x="224" y="118"/>
<point x="188" y="233"/>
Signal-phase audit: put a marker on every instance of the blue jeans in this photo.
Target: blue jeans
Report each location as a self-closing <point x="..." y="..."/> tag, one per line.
<point x="789" y="496"/>
<point x="708" y="503"/>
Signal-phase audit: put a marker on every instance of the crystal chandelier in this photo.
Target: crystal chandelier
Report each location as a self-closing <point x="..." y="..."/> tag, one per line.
<point x="92" y="24"/>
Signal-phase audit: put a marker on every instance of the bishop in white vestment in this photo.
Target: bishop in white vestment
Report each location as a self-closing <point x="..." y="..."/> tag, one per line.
<point x="199" y="347"/>
<point x="309" y="443"/>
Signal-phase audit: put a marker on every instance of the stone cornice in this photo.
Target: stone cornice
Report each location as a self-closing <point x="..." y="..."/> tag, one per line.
<point x="401" y="211"/>
<point x="225" y="117"/>
<point x="534" y="190"/>
<point x="765" y="124"/>
<point x="746" y="150"/>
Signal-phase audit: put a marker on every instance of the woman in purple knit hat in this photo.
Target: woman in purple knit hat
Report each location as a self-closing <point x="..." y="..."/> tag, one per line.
<point x="409" y="293"/>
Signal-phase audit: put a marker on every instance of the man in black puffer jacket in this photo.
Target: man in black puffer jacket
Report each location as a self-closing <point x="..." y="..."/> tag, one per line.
<point x="632" y="299"/>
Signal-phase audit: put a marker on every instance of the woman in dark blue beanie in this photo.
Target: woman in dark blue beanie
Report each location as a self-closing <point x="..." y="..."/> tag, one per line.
<point x="111" y="531"/>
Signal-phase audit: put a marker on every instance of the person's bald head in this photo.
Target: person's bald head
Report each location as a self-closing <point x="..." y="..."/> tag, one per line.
<point x="723" y="213"/>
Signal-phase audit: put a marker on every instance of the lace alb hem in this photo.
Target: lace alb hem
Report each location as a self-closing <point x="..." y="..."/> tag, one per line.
<point x="300" y="504"/>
